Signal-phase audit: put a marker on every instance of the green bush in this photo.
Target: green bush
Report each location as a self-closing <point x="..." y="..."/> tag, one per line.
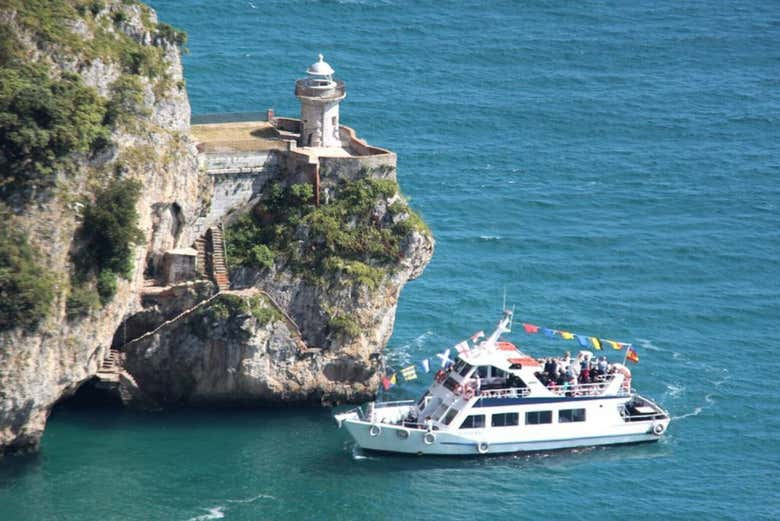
<point x="127" y="101"/>
<point x="263" y="311"/>
<point x="81" y="301"/>
<point x="172" y="34"/>
<point x="342" y="235"/>
<point x="106" y="286"/>
<point x="344" y="326"/>
<point x="42" y="122"/>
<point x="262" y="256"/>
<point x="26" y="288"/>
<point x="110" y="228"/>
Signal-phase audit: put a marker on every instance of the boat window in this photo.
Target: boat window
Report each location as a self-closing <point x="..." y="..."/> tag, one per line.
<point x="462" y="367"/>
<point x="450" y="415"/>
<point x="451" y="384"/>
<point x="538" y="417"/>
<point x="440" y="411"/>
<point x="483" y="371"/>
<point x="571" y="415"/>
<point x="498" y="373"/>
<point x="422" y="403"/>
<point x="475" y="421"/>
<point x="507" y="419"/>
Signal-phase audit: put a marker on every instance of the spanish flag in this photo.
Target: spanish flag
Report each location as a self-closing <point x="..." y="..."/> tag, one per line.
<point x="632" y="355"/>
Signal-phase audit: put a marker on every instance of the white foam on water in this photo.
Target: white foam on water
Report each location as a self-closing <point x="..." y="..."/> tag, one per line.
<point x="213" y="513"/>
<point x="490" y="237"/>
<point x="695" y="412"/>
<point x="251" y="499"/>
<point x="402" y="355"/>
<point x="644" y="343"/>
<point x="674" y="390"/>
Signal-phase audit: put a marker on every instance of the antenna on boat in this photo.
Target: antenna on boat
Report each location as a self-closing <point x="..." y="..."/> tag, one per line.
<point x="503" y="305"/>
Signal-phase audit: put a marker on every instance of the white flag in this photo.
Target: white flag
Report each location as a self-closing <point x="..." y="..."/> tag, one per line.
<point x="426" y="365"/>
<point x="445" y="358"/>
<point x="462" y="348"/>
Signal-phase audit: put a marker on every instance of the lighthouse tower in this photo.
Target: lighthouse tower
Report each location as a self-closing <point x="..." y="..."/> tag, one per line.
<point x="320" y="96"/>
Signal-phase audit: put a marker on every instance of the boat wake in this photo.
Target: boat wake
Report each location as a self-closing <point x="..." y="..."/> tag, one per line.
<point x="251" y="499"/>
<point x="218" y="512"/>
<point x="213" y="513"/>
<point x="695" y="412"/>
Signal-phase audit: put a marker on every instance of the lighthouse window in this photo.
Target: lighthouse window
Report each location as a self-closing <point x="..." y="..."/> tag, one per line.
<point x="571" y="415"/>
<point x="507" y="419"/>
<point x="538" y="417"/>
<point x="475" y="421"/>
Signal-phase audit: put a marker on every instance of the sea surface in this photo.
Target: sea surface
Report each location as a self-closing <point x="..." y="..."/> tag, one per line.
<point x="613" y="166"/>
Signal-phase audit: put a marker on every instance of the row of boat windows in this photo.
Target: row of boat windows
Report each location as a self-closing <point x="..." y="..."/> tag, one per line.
<point x="512" y="419"/>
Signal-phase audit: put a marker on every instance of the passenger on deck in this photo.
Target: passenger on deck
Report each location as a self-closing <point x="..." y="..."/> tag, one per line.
<point x="603" y="365"/>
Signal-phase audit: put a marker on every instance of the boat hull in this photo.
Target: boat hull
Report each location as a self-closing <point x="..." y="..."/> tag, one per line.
<point x="387" y="437"/>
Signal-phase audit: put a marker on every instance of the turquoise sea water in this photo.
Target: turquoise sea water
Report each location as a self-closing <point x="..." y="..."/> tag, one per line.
<point x="613" y="165"/>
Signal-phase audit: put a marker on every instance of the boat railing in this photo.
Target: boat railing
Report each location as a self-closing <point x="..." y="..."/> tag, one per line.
<point x="588" y="389"/>
<point x="380" y="405"/>
<point x="509" y="392"/>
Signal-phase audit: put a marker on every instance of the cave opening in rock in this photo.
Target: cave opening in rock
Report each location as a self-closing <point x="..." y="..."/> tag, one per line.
<point x="92" y="394"/>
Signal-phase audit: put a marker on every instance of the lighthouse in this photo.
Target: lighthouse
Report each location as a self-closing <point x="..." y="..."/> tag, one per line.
<point x="320" y="95"/>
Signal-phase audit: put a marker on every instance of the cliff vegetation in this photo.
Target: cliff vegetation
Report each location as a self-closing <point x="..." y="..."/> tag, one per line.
<point x="356" y="235"/>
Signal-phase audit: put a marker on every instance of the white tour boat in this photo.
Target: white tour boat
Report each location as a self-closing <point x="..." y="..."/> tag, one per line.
<point x="492" y="400"/>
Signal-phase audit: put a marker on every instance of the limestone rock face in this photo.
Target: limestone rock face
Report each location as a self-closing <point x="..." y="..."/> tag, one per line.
<point x="240" y="360"/>
<point x="39" y="368"/>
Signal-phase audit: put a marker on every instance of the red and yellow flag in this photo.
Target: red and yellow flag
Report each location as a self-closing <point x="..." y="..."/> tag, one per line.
<point x="632" y="355"/>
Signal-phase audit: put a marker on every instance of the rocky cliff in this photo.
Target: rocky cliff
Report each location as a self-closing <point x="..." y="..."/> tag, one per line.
<point x="97" y="87"/>
<point x="100" y="179"/>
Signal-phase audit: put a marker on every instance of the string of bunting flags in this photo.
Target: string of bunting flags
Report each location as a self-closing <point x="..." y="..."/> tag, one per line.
<point x="409" y="373"/>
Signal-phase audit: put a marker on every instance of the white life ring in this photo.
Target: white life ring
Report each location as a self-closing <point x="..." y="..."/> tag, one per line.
<point x="658" y="429"/>
<point x="483" y="447"/>
<point x="375" y="430"/>
<point x="403" y="434"/>
<point x="429" y="438"/>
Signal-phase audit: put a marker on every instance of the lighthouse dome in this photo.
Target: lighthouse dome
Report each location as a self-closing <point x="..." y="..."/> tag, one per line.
<point x="320" y="68"/>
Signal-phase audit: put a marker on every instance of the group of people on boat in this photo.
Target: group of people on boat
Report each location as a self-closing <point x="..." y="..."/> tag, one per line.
<point x="585" y="374"/>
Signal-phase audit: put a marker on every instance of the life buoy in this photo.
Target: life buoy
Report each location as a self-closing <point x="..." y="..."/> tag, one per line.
<point x="440" y="376"/>
<point x="658" y="429"/>
<point x="468" y="393"/>
<point x="402" y="433"/>
<point x="374" y="431"/>
<point x="429" y="438"/>
<point x="483" y="447"/>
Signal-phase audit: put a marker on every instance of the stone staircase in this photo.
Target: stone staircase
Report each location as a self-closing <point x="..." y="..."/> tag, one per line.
<point x="218" y="260"/>
<point x="200" y="264"/>
<point x="109" y="368"/>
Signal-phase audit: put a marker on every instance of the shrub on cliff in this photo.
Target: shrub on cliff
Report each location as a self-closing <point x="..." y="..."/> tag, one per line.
<point x="348" y="235"/>
<point x="43" y="121"/>
<point x="26" y="288"/>
<point x="108" y="233"/>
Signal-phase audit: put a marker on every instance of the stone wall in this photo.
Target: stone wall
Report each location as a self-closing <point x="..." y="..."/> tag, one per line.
<point x="236" y="179"/>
